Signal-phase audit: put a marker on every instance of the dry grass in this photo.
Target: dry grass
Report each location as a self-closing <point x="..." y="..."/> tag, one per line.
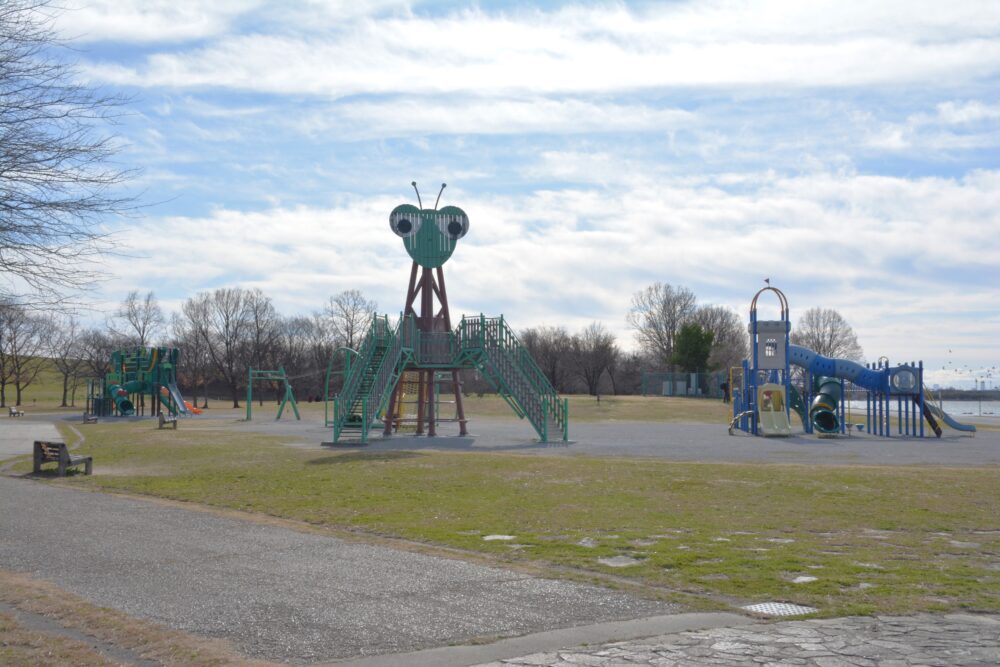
<point x="21" y="646"/>
<point x="149" y="640"/>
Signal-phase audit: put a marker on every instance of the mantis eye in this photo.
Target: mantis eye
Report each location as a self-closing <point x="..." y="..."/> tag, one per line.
<point x="403" y="224"/>
<point x="453" y="225"/>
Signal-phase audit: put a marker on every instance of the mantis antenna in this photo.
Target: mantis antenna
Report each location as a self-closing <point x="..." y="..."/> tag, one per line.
<point x="414" y="184"/>
<point x="443" y="186"/>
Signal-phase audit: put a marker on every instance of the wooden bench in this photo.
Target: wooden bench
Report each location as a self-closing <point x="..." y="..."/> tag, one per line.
<point x="89" y="419"/>
<point x="56" y="452"/>
<point x="15" y="411"/>
<point x="168" y="419"/>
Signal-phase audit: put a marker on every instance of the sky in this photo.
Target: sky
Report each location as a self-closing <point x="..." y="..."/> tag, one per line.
<point x="847" y="151"/>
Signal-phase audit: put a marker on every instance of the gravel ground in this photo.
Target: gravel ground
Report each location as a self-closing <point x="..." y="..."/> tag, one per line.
<point x="678" y="442"/>
<point x="276" y="593"/>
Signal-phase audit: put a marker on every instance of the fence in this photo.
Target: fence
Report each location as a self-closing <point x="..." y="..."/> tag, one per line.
<point x="707" y="384"/>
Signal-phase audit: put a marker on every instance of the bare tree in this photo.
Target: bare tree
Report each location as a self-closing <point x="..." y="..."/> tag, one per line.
<point x="140" y="319"/>
<point x="96" y="347"/>
<point x="24" y="340"/>
<point x="264" y="336"/>
<point x="594" y="352"/>
<point x="222" y="323"/>
<point x="6" y="368"/>
<point x="64" y="348"/>
<point x="826" y="332"/>
<point x="730" y="340"/>
<point x="350" y="315"/>
<point x="657" y="314"/>
<point x="626" y="373"/>
<point x="552" y="350"/>
<point x="195" y="367"/>
<point x="58" y="178"/>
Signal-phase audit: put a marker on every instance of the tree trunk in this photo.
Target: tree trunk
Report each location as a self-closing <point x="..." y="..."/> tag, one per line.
<point x="65" y="392"/>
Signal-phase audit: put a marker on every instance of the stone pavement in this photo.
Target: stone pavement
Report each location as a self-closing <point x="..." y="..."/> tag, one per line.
<point x="960" y="640"/>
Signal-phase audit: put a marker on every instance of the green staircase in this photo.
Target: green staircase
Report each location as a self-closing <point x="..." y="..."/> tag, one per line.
<point x="486" y="344"/>
<point x="514" y="374"/>
<point x="381" y="359"/>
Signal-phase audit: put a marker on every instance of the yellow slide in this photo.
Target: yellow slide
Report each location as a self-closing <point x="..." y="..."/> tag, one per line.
<point x="771" y="413"/>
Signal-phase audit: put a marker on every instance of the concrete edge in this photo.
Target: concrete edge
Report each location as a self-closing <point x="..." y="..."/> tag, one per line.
<point x="551" y="640"/>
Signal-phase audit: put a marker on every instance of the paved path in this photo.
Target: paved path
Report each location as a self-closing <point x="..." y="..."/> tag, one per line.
<point x="17" y="434"/>
<point x="277" y="593"/>
<point x="960" y="640"/>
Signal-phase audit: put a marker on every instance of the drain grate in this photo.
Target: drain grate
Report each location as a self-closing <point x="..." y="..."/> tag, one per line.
<point x="778" y="609"/>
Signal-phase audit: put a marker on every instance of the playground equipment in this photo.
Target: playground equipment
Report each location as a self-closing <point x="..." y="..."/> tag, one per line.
<point x="423" y="347"/>
<point x="761" y="386"/>
<point x="135" y="374"/>
<point x="256" y="375"/>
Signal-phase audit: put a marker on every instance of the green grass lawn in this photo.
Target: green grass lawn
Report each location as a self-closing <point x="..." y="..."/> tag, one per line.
<point x="877" y="539"/>
<point x="45" y="392"/>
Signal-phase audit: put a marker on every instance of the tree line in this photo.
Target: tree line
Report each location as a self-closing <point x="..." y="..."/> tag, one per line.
<point x="223" y="333"/>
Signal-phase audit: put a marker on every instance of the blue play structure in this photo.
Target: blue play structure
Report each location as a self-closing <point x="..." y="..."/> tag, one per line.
<point x="765" y="395"/>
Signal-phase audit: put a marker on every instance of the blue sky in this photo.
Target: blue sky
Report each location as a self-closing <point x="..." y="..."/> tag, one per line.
<point x="847" y="150"/>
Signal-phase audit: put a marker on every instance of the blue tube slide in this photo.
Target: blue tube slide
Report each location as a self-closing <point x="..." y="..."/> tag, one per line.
<point x="829" y="372"/>
<point x="819" y="365"/>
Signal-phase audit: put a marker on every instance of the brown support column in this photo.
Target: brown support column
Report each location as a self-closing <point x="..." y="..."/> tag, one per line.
<point x="391" y="415"/>
<point x="420" y="403"/>
<point x="432" y="394"/>
<point x="456" y="384"/>
<point x="459" y="408"/>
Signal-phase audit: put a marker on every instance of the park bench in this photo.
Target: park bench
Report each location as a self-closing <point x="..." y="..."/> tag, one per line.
<point x="89" y="419"/>
<point x="168" y="419"/>
<point x="15" y="411"/>
<point x="56" y="452"/>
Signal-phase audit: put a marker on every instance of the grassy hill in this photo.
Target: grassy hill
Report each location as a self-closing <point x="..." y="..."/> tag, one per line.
<point x="45" y="392"/>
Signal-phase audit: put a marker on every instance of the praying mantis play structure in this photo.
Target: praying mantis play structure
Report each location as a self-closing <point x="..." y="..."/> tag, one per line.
<point x="764" y="393"/>
<point x="401" y="369"/>
<point x="136" y="373"/>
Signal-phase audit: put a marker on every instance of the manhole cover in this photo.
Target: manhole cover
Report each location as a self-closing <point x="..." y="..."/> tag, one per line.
<point x="779" y="609"/>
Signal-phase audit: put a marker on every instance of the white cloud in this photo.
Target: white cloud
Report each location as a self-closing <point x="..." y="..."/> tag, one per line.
<point x="148" y="20"/>
<point x="953" y="125"/>
<point x="881" y="250"/>
<point x="594" y="49"/>
<point x="430" y="115"/>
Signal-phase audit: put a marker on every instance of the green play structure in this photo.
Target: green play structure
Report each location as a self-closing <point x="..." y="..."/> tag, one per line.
<point x="484" y="343"/>
<point x="257" y="375"/>
<point x="423" y="355"/>
<point x="137" y="373"/>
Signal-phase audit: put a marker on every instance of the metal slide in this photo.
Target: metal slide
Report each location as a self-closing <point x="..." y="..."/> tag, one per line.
<point x="175" y="393"/>
<point x="948" y="419"/>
